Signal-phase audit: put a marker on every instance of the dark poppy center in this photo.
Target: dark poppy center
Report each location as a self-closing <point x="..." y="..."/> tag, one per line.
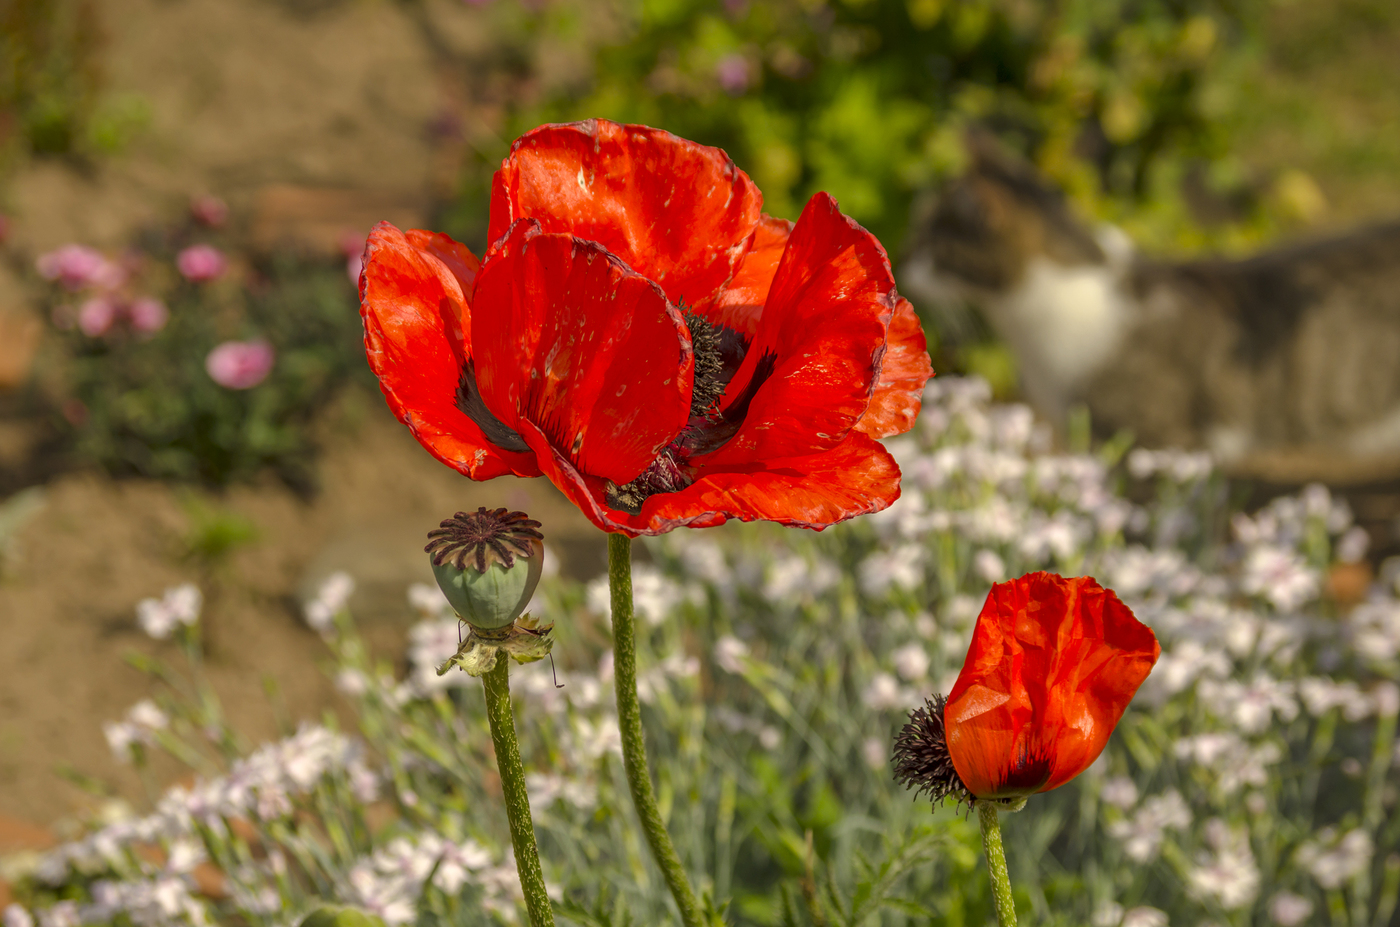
<point x="718" y="353"/>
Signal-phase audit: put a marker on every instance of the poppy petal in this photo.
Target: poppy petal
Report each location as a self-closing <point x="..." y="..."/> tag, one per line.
<point x="739" y="305"/>
<point x="856" y="477"/>
<point x="677" y="212"/>
<point x="569" y="338"/>
<point x="904" y="370"/>
<point x="415" y="317"/>
<point x="1052" y="666"/>
<point x="824" y="326"/>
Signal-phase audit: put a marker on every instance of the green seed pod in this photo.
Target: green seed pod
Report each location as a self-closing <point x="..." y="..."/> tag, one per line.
<point x="487" y="563"/>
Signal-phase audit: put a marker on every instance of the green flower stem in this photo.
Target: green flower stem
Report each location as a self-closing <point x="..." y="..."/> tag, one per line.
<point x="522" y="827"/>
<point x="629" y="722"/>
<point x="996" y="863"/>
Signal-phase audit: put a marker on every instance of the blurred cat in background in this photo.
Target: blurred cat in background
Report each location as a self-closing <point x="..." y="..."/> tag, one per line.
<point x="1285" y="365"/>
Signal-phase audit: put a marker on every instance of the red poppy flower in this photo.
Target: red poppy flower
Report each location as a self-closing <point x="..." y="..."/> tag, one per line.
<point x="642" y="335"/>
<point x="1053" y="664"/>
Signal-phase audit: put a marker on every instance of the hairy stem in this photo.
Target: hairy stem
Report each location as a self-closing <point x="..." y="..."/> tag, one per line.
<point x="522" y="827"/>
<point x="996" y="863"/>
<point x="629" y="722"/>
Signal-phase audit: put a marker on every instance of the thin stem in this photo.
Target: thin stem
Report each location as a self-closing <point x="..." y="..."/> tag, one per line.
<point x="522" y="827"/>
<point x="996" y="863"/>
<point x="629" y="722"/>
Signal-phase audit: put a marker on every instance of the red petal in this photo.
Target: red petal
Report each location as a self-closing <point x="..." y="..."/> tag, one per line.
<point x="571" y="339"/>
<point x="825" y="320"/>
<point x="905" y="369"/>
<point x="415" y="313"/>
<point x="739" y="305"/>
<point x="677" y="212"/>
<point x="856" y="477"/>
<point x="1053" y="664"/>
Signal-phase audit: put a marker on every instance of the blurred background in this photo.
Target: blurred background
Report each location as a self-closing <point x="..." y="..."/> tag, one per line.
<point x="186" y="186"/>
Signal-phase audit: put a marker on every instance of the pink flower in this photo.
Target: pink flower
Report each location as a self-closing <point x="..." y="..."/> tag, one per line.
<point x="147" y="315"/>
<point x="209" y="211"/>
<point x="732" y="72"/>
<point x="78" y="266"/>
<point x="96" y="316"/>
<point x="352" y="244"/>
<point x="201" y="262"/>
<point x="240" y="364"/>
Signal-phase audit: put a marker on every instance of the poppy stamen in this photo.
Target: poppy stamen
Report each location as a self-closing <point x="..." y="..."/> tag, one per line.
<point x="921" y="758"/>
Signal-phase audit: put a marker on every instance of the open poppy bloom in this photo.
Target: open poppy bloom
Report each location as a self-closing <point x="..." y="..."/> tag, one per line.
<point x="640" y="333"/>
<point x="1052" y="666"/>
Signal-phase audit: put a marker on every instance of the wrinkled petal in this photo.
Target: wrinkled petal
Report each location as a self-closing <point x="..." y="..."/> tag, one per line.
<point x="740" y="303"/>
<point x="831" y="301"/>
<point x="677" y="212"/>
<point x="415" y="317"/>
<point x="571" y="339"/>
<point x="904" y="371"/>
<point x="1053" y="664"/>
<point x="857" y="477"/>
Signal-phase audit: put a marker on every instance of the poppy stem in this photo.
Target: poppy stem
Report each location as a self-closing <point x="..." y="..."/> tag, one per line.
<point x="996" y="863"/>
<point x="629" y="722"/>
<point x="522" y="827"/>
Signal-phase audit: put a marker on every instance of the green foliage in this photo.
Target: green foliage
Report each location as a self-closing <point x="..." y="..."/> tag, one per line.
<point x="214" y="532"/>
<point x="1117" y="100"/>
<point x="50" y="80"/>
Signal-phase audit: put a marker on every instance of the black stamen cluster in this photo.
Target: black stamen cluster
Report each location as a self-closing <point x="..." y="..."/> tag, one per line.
<point x="482" y="538"/>
<point x="709" y="364"/>
<point x="921" y="758"/>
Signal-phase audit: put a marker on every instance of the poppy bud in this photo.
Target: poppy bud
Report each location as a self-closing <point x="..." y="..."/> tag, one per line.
<point x="1053" y="664"/>
<point x="487" y="564"/>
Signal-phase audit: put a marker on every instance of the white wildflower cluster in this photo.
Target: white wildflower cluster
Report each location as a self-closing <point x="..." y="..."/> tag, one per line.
<point x="389" y="882"/>
<point x="1227" y="873"/>
<point x="258" y="787"/>
<point x="1141" y="833"/>
<point x="178" y="607"/>
<point x="1333" y="859"/>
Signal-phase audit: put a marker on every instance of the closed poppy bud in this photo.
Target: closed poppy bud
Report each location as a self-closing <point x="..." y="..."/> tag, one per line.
<point x="487" y="564"/>
<point x="1052" y="666"/>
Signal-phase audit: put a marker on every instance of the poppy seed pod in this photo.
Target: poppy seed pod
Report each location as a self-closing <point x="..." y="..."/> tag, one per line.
<point x="487" y="564"/>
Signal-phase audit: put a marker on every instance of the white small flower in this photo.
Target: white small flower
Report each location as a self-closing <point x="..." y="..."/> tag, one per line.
<point x="331" y="599"/>
<point x="1142" y="834"/>
<point x="1352" y="546"/>
<point x="1335" y="865"/>
<point x="145" y="714"/>
<point x="1228" y="875"/>
<point x="429" y="601"/>
<point x="875" y="752"/>
<point x="730" y="654"/>
<point x="1289" y="910"/>
<point x="351" y="682"/>
<point x="17" y="916"/>
<point x="911" y="662"/>
<point x="988" y="566"/>
<point x="179" y="606"/>
<point x="1279" y="575"/>
<point x="62" y="914"/>
<point x="901" y="567"/>
<point x="1119" y="791"/>
<point x="884" y="693"/>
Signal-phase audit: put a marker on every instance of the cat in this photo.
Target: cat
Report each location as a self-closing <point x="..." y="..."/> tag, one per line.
<point x="1284" y="365"/>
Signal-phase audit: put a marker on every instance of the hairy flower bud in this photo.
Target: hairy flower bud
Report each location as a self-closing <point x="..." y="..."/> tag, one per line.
<point x="487" y="564"/>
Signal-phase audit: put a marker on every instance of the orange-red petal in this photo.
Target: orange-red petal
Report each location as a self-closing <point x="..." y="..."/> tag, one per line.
<point x="740" y="304"/>
<point x="571" y="339"/>
<point x="856" y="477"/>
<point x="415" y="315"/>
<point x="675" y="211"/>
<point x="830" y="303"/>
<point x="904" y="371"/>
<point x="1053" y="664"/>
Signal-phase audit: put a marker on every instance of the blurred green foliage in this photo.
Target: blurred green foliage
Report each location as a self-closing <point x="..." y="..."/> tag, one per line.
<point x="1121" y="102"/>
<point x="50" y="83"/>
